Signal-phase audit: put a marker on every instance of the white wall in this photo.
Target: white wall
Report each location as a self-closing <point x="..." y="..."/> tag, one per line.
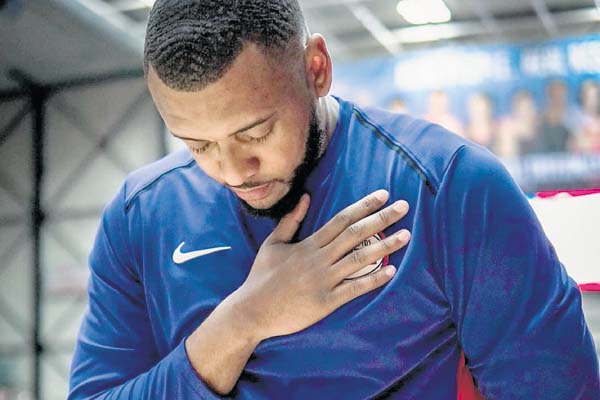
<point x="79" y="177"/>
<point x="15" y="247"/>
<point x="573" y="226"/>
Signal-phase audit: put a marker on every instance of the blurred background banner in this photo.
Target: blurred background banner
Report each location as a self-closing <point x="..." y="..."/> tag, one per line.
<point x="537" y="105"/>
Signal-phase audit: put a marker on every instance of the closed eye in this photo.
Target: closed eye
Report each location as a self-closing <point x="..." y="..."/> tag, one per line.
<point x="199" y="148"/>
<point x="203" y="147"/>
<point x="255" y="139"/>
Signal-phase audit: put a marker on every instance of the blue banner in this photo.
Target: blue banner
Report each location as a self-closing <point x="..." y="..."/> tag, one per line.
<point x="539" y="99"/>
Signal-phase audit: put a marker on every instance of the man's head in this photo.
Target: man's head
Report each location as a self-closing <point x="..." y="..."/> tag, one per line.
<point x="589" y="97"/>
<point x="556" y="92"/>
<point x="238" y="81"/>
<point x="523" y="105"/>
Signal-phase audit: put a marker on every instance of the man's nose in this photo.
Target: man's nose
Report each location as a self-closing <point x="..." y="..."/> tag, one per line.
<point x="236" y="165"/>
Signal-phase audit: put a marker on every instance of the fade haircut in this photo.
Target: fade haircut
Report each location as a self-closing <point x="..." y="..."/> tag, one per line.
<point x="192" y="43"/>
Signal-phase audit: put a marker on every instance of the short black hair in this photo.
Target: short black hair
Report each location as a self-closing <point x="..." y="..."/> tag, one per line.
<point x="192" y="43"/>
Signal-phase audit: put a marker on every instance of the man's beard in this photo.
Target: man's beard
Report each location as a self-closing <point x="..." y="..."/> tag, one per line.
<point x="314" y="143"/>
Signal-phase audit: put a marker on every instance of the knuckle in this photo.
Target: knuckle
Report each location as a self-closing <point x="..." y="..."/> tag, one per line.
<point x="356" y="229"/>
<point x="371" y="281"/>
<point x="343" y="219"/>
<point x="387" y="244"/>
<point x="384" y="217"/>
<point x="356" y="288"/>
<point x="358" y="257"/>
<point x="307" y="244"/>
<point x="376" y="280"/>
<point x="323" y="297"/>
<point x="367" y="203"/>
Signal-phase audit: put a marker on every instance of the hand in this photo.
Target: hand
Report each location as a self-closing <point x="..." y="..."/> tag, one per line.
<point x="292" y="286"/>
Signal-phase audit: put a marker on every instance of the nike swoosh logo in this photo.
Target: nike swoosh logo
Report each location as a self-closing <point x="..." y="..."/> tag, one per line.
<point x="180" y="258"/>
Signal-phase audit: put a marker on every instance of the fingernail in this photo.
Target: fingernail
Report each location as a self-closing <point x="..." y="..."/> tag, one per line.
<point x="381" y="195"/>
<point x="404" y="235"/>
<point x="400" y="206"/>
<point x="390" y="270"/>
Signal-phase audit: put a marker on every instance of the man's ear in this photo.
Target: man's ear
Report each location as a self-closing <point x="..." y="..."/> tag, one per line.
<point x="318" y="65"/>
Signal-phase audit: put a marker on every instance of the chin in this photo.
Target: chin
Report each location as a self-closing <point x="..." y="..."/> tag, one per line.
<point x="277" y="193"/>
<point x="276" y="205"/>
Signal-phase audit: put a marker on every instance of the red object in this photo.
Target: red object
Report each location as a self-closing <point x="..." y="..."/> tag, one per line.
<point x="580" y="192"/>
<point x="466" y="387"/>
<point x="590" y="287"/>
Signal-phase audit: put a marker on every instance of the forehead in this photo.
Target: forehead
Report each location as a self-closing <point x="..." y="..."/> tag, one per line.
<point x="252" y="88"/>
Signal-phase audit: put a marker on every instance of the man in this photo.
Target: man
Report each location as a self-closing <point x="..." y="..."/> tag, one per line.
<point x="553" y="133"/>
<point x="258" y="264"/>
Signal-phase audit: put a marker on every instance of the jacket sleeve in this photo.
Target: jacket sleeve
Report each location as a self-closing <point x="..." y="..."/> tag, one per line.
<point x="517" y="312"/>
<point x="115" y="355"/>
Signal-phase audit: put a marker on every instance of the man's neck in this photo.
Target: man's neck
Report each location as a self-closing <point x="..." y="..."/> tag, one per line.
<point x="328" y="110"/>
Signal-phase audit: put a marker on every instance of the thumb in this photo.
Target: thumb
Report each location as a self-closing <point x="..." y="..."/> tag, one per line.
<point x="287" y="227"/>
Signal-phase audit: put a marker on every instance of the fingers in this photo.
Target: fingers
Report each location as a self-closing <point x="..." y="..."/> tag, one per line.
<point x="287" y="227"/>
<point x="349" y="216"/>
<point x="359" y="259"/>
<point x="364" y="229"/>
<point x="349" y="290"/>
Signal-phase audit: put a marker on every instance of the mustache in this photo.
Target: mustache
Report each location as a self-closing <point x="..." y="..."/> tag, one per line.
<point x="252" y="185"/>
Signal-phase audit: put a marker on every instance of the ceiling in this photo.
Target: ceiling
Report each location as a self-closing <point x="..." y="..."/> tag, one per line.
<point x="52" y="40"/>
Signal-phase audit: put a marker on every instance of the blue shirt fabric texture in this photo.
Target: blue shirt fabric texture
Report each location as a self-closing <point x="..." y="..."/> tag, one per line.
<point x="479" y="276"/>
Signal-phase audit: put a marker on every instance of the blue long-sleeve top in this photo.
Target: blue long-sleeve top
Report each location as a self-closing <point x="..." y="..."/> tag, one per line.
<point x="478" y="278"/>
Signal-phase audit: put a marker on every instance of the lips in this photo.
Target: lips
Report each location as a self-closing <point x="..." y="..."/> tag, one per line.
<point x="254" y="194"/>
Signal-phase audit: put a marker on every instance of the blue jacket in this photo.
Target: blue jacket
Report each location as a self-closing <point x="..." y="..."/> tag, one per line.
<point x="479" y="276"/>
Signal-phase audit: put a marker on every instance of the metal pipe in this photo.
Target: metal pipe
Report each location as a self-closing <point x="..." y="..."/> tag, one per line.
<point x="74" y="214"/>
<point x="97" y="79"/>
<point x="114" y="130"/>
<point x="13" y="124"/>
<point x="377" y="29"/>
<point x="10" y="95"/>
<point x="541" y="10"/>
<point x="12" y="250"/>
<point x="108" y="21"/>
<point x="38" y="98"/>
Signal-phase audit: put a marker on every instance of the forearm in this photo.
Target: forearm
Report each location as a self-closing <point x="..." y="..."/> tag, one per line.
<point x="221" y="346"/>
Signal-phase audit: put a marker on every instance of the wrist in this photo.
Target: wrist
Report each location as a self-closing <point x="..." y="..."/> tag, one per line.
<point x="220" y="347"/>
<point x="243" y="317"/>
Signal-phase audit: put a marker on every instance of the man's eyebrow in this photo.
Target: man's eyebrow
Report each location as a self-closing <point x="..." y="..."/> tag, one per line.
<point x="241" y="130"/>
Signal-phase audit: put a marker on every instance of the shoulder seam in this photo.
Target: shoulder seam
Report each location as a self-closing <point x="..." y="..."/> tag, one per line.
<point x="151" y="183"/>
<point x="391" y="143"/>
<point x="451" y="161"/>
